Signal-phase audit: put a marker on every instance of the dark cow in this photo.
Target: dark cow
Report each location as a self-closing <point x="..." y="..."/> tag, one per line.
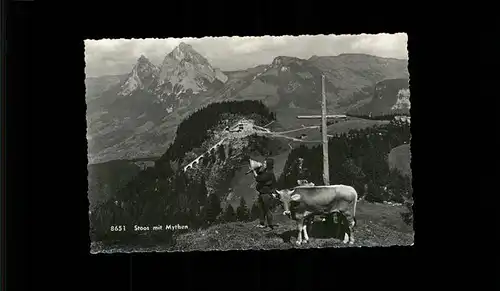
<point x="319" y="200"/>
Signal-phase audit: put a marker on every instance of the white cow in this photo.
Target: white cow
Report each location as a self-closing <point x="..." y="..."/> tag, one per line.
<point x="319" y="200"/>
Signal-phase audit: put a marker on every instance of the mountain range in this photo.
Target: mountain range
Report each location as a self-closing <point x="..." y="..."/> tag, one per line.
<point x="136" y="115"/>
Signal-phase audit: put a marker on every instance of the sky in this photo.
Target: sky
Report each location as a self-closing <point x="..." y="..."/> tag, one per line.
<point x="117" y="56"/>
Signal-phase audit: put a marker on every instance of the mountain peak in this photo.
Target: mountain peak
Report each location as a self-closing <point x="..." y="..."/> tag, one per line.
<point x="285" y="61"/>
<point x="185" y="51"/>
<point x="184" y="46"/>
<point x="183" y="69"/>
<point x="143" y="59"/>
<point x="144" y="67"/>
<point x="143" y="73"/>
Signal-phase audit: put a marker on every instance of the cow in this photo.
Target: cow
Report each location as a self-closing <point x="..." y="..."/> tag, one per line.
<point x="319" y="200"/>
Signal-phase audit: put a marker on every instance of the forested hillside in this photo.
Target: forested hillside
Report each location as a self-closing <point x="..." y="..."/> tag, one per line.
<point x="358" y="158"/>
<point x="104" y="179"/>
<point x="165" y="194"/>
<point x="200" y="125"/>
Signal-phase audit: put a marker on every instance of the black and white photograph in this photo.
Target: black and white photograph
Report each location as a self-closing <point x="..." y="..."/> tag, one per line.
<point x="248" y="143"/>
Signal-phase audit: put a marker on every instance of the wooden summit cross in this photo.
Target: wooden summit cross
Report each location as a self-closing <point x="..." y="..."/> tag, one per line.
<point x="324" y="133"/>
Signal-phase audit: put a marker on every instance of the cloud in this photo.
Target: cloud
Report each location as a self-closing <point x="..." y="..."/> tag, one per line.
<point x="117" y="56"/>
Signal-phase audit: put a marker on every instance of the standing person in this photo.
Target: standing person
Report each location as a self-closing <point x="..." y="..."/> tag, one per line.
<point x="266" y="182"/>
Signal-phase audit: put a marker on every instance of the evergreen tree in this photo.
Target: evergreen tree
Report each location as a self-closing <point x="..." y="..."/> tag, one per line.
<point x="202" y="192"/>
<point x="213" y="209"/>
<point x="221" y="153"/>
<point x="408" y="215"/>
<point x="204" y="161"/>
<point x="254" y="211"/>
<point x="290" y="174"/>
<point x="373" y="193"/>
<point x="229" y="214"/>
<point x="242" y="211"/>
<point x="193" y="206"/>
<point x="180" y="183"/>
<point x="194" y="218"/>
<point x="354" y="175"/>
<point x="395" y="185"/>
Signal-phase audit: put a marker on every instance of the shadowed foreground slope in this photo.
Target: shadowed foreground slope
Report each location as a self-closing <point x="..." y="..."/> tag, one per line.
<point x="378" y="225"/>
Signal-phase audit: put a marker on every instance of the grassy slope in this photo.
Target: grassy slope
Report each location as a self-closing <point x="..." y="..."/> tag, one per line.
<point x="378" y="225"/>
<point x="354" y="123"/>
<point x="341" y="127"/>
<point x="400" y="158"/>
<point x="288" y="117"/>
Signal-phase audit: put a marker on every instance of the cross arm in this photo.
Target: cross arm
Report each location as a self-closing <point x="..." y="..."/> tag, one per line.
<point x="319" y="116"/>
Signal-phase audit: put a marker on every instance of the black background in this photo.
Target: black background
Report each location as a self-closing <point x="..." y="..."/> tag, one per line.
<point x="47" y="238"/>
